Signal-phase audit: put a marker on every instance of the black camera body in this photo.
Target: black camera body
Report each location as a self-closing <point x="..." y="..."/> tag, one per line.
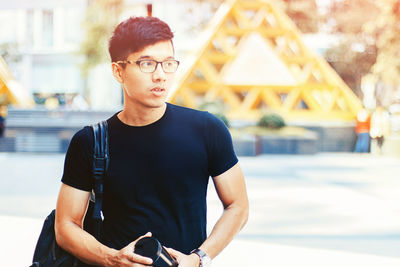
<point x="150" y="247"/>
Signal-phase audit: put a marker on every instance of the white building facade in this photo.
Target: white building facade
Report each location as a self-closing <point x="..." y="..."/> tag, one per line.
<point x="47" y="35"/>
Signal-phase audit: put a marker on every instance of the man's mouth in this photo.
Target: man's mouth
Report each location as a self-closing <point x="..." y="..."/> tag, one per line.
<point x="157" y="89"/>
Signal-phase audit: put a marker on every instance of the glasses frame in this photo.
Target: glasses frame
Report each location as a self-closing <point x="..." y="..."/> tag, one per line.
<point x="157" y="62"/>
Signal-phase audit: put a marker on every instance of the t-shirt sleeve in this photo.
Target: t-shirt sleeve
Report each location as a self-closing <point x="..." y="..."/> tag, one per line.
<point x="221" y="155"/>
<point x="78" y="161"/>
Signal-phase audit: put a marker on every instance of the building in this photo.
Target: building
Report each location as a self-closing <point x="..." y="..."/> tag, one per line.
<point x="46" y="36"/>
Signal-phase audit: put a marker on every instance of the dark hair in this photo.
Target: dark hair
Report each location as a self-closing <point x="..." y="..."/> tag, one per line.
<point x="135" y="33"/>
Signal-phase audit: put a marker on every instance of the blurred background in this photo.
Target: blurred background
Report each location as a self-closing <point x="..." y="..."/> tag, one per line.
<point x="310" y="91"/>
<point x="323" y="69"/>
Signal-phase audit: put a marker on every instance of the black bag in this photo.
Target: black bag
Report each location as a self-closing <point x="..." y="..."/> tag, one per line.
<point x="47" y="252"/>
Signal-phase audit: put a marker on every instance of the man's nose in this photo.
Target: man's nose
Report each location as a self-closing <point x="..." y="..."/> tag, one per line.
<point x="159" y="74"/>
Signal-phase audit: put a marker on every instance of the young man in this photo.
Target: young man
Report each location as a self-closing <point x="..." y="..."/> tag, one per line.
<point x="162" y="156"/>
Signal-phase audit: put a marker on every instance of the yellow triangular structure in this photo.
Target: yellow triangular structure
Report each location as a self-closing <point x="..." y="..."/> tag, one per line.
<point x="296" y="83"/>
<point x="12" y="92"/>
<point x="260" y="60"/>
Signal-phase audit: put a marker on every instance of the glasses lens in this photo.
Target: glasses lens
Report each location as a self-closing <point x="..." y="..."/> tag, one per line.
<point x="147" y="65"/>
<point x="170" y="65"/>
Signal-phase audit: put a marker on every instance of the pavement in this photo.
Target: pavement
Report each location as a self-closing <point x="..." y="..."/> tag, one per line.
<point x="328" y="209"/>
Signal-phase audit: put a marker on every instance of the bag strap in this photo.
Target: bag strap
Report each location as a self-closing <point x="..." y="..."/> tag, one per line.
<point x="100" y="165"/>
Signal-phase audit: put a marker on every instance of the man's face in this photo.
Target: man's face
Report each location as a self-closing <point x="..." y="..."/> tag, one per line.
<point x="146" y="90"/>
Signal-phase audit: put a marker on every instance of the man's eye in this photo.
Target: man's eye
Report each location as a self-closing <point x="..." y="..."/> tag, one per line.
<point x="147" y="63"/>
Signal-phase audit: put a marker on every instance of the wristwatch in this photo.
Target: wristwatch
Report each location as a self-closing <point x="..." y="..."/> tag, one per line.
<point x="205" y="260"/>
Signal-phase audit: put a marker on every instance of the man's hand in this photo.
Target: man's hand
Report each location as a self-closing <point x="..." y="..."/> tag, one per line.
<point x="126" y="256"/>
<point x="184" y="260"/>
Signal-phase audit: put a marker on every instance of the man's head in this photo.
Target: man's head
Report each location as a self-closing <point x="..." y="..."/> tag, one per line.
<point x="143" y="61"/>
<point x="135" y="33"/>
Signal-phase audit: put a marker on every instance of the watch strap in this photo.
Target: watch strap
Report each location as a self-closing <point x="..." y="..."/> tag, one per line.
<point x="203" y="256"/>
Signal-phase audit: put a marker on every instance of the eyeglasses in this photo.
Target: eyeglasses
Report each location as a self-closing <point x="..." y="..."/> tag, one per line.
<point x="150" y="66"/>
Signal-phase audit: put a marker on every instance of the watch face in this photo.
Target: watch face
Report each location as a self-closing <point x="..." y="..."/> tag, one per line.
<point x="205" y="260"/>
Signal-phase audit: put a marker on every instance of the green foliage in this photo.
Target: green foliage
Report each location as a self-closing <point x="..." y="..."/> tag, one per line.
<point x="287" y="131"/>
<point x="223" y="118"/>
<point x="101" y="18"/>
<point x="9" y="52"/>
<point x="212" y="106"/>
<point x="271" y="121"/>
<point x="198" y="14"/>
<point x="217" y="109"/>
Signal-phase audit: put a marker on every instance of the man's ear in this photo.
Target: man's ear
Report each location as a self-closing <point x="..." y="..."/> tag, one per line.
<point x="117" y="72"/>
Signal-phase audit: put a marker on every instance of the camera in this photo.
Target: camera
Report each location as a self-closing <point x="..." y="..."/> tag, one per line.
<point x="150" y="247"/>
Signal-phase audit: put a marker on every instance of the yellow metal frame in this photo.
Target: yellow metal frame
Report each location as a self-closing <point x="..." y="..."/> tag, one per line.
<point x="320" y="94"/>
<point x="10" y="92"/>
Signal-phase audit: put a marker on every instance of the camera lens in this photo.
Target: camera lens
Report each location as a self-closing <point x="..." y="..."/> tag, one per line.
<point x="150" y="247"/>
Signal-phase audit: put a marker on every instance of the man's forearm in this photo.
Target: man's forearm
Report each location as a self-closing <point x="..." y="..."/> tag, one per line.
<point x="229" y="224"/>
<point x="83" y="245"/>
<point x="70" y="211"/>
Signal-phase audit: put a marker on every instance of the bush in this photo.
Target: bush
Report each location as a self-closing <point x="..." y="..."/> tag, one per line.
<point x="217" y="109"/>
<point x="214" y="107"/>
<point x="271" y="121"/>
<point x="223" y="118"/>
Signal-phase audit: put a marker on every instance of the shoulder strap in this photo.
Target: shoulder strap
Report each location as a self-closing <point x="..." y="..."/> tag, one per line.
<point x="100" y="165"/>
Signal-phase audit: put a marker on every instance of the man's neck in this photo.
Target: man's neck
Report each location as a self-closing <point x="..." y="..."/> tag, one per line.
<point x="141" y="117"/>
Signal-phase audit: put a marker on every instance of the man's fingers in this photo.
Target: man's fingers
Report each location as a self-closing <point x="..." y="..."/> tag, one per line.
<point x="174" y="253"/>
<point x="129" y="252"/>
<point x="148" y="234"/>
<point x="140" y="259"/>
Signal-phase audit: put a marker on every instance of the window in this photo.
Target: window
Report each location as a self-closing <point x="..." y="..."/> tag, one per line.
<point x="29" y="28"/>
<point x="48" y="28"/>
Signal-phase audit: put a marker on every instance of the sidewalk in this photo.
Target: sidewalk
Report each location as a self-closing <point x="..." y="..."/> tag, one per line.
<point x="21" y="235"/>
<point x="317" y="210"/>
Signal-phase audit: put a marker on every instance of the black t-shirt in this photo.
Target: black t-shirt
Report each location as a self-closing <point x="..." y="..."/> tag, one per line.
<point x="157" y="176"/>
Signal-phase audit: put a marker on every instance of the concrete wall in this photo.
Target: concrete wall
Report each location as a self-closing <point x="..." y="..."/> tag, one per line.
<point x="45" y="131"/>
<point x="324" y="138"/>
<point x="50" y="132"/>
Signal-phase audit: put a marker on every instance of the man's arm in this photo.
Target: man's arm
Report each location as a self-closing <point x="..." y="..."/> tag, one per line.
<point x="71" y="209"/>
<point x="231" y="190"/>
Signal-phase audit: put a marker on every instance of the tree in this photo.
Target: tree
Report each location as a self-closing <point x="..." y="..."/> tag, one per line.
<point x="304" y="13"/>
<point x="387" y="32"/>
<point x="350" y="16"/>
<point x="9" y="52"/>
<point x="101" y="18"/>
<point x="378" y="34"/>
<point x="352" y="58"/>
<point x="356" y="51"/>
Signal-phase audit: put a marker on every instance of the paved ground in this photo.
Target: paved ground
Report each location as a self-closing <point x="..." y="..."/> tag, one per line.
<point x="322" y="210"/>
